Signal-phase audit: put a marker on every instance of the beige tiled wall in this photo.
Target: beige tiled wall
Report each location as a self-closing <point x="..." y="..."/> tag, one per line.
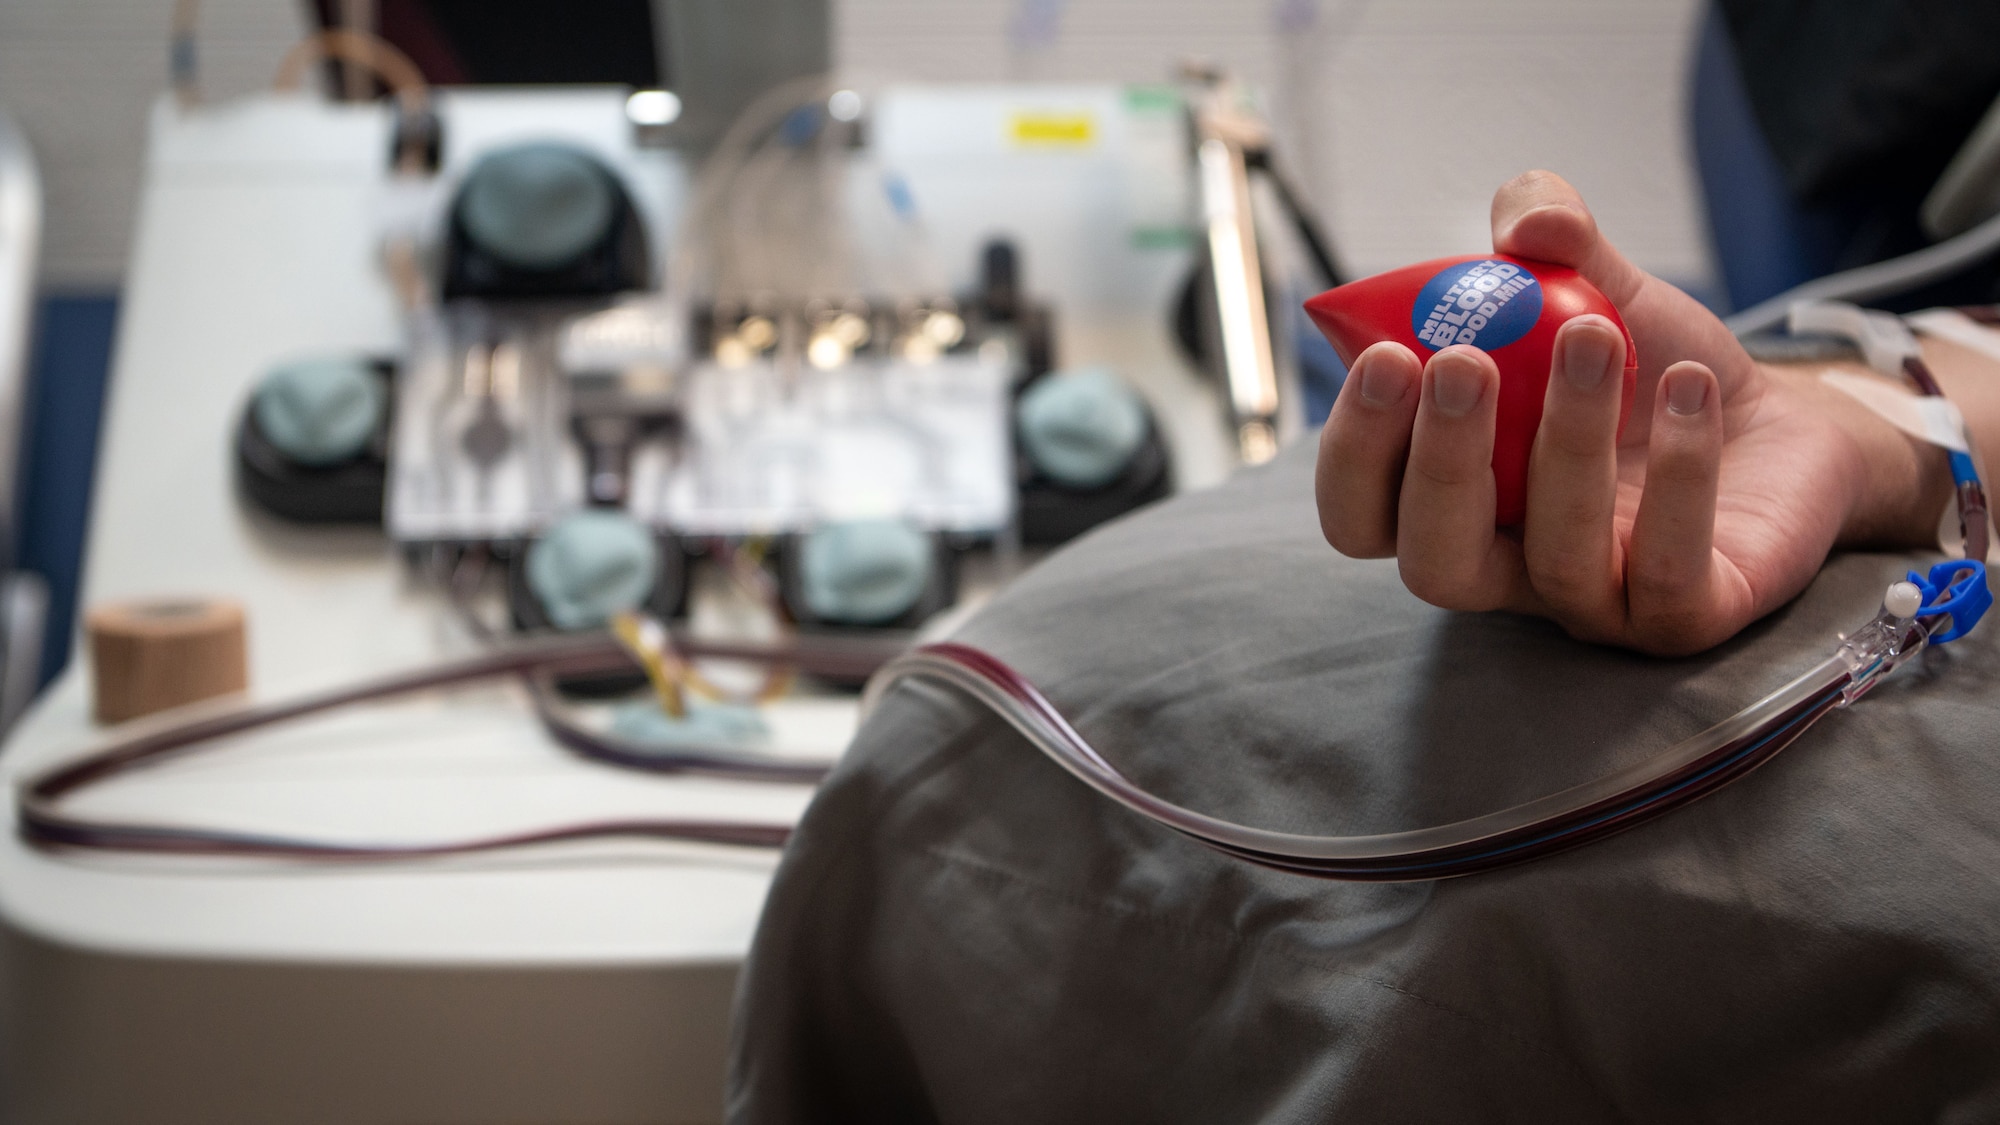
<point x="1403" y="114"/>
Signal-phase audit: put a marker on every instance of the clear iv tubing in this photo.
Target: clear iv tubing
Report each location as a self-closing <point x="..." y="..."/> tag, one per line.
<point x="1914" y="615"/>
<point x="1562" y="820"/>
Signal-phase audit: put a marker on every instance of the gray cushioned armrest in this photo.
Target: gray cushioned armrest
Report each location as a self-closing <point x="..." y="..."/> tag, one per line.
<point x="962" y="932"/>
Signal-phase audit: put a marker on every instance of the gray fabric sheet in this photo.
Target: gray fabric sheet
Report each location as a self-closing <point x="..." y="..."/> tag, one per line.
<point x="962" y="932"/>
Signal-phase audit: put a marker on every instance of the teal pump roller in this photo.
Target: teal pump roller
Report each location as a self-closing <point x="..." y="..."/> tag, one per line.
<point x="322" y="411"/>
<point x="591" y="566"/>
<point x="864" y="572"/>
<point x="1081" y="428"/>
<point x="537" y="206"/>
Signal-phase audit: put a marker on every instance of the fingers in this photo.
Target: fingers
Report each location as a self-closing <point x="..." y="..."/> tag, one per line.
<point x="1570" y="548"/>
<point x="1445" y="541"/>
<point x="1670" y="573"/>
<point x="1361" y="452"/>
<point x="1539" y="215"/>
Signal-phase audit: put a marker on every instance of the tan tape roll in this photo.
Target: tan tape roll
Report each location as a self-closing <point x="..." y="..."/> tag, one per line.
<point x="147" y="656"/>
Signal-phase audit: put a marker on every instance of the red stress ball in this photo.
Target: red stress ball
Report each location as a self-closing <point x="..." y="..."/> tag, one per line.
<point x="1510" y="308"/>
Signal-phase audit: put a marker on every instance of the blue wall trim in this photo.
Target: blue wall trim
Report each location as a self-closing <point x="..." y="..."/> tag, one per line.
<point x="63" y="405"/>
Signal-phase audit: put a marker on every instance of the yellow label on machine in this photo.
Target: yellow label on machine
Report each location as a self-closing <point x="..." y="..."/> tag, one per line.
<point x="1052" y="130"/>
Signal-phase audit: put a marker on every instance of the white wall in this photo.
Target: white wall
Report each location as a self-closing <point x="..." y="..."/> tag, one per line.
<point x="79" y="75"/>
<point x="1403" y="114"/>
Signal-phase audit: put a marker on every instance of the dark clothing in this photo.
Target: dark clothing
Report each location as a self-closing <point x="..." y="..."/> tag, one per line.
<point x="1856" y="94"/>
<point x="1863" y="103"/>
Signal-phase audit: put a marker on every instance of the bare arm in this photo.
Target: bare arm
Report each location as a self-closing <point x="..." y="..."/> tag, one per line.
<point x="1716" y="504"/>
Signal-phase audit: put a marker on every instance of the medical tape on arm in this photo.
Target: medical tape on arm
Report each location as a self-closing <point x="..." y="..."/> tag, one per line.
<point x="1924" y="417"/>
<point x="1957" y="328"/>
<point x="1931" y="419"/>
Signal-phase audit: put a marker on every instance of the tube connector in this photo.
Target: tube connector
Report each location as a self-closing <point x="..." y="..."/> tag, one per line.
<point x="1903" y="600"/>
<point x="1879" y="648"/>
<point x="1955" y="590"/>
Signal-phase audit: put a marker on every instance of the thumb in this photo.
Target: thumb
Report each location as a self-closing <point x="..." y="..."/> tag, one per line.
<point x="1539" y="215"/>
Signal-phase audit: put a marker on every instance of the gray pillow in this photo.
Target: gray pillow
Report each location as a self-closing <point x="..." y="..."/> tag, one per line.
<point x="961" y="931"/>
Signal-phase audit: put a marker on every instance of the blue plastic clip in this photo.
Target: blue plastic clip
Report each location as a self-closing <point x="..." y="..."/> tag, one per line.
<point x="1966" y="598"/>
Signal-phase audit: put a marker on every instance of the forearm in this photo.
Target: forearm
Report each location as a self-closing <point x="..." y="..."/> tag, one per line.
<point x="1972" y="381"/>
<point x="1901" y="486"/>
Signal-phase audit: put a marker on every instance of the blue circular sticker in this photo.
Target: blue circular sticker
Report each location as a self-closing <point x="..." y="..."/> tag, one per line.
<point x="1488" y="304"/>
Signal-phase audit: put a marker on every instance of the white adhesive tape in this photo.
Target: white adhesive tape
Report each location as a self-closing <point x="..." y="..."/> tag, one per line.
<point x="1960" y="329"/>
<point x="1924" y="417"/>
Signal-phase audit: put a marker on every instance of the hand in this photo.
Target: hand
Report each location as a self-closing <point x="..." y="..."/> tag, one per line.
<point x="1717" y="503"/>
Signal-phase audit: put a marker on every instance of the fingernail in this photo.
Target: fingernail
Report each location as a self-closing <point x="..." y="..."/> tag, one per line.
<point x="1456" y="384"/>
<point x="1586" y="357"/>
<point x="1687" y="391"/>
<point x="1381" y="385"/>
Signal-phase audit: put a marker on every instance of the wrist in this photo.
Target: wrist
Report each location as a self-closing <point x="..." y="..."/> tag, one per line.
<point x="1897" y="486"/>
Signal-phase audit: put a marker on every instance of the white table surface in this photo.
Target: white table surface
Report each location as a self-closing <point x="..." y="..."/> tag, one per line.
<point x="255" y="244"/>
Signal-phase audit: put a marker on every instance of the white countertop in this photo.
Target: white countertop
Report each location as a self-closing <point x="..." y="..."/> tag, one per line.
<point x="256" y="244"/>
